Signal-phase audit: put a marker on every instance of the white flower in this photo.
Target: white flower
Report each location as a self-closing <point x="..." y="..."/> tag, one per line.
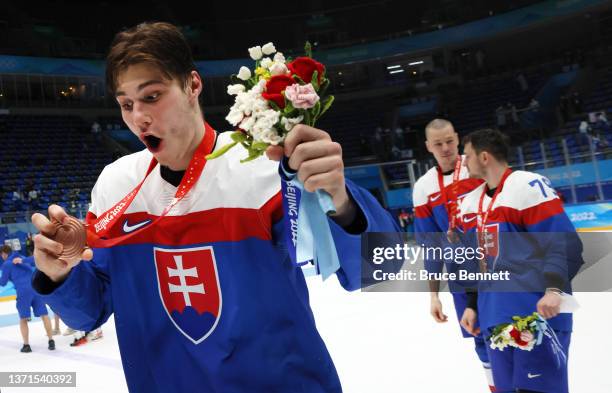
<point x="247" y="124"/>
<point x="234" y="117"/>
<point x="244" y="73"/>
<point x="268" y="49"/>
<point x="235" y="89"/>
<point x="278" y="69"/>
<point x="266" y="62"/>
<point x="290" y="122"/>
<point x="255" y="52"/>
<point x="279" y="57"/>
<point x="264" y="123"/>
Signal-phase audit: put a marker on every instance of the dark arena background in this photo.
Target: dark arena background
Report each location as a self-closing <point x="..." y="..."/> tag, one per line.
<point x="540" y="71"/>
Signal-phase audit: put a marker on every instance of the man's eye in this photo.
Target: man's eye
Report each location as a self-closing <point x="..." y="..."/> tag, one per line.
<point x="151" y="97"/>
<point x="127" y="106"/>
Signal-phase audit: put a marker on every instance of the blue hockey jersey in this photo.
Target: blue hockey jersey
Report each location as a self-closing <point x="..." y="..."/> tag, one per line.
<point x="529" y="235"/>
<point x="19" y="274"/>
<point x="207" y="300"/>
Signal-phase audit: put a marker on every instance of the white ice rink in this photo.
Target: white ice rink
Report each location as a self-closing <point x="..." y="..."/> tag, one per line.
<point x="380" y="342"/>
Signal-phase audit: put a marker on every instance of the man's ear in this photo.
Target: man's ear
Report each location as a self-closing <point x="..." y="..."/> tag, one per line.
<point x="484" y="157"/>
<point x="194" y="85"/>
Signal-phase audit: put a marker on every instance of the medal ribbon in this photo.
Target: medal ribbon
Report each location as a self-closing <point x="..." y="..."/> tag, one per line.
<point x="102" y="225"/>
<point x="482" y="218"/>
<point x="450" y="202"/>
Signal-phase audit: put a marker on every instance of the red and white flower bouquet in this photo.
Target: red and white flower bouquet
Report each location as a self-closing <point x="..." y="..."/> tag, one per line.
<point x="274" y="97"/>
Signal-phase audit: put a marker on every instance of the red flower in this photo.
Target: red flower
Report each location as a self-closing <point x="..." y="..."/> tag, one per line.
<point x="304" y="67"/>
<point x="516" y="335"/>
<point x="274" y="88"/>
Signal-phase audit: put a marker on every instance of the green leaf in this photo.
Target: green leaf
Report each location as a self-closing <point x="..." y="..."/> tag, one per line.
<point x="253" y="154"/>
<point x="221" y="151"/>
<point x="308" y="49"/>
<point x="315" y="80"/>
<point x="323" y="87"/>
<point x="315" y="112"/>
<point x="288" y="107"/>
<point x="307" y="117"/>
<point x="326" y="105"/>
<point x="300" y="80"/>
<point x="238" y="136"/>
<point x="259" y="146"/>
<point x="274" y="106"/>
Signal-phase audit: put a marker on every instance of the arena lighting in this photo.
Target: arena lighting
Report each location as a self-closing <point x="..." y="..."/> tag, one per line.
<point x="393" y="66"/>
<point x="395" y="71"/>
<point x="416" y="63"/>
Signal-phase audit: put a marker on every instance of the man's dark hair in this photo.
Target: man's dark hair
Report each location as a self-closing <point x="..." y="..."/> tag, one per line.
<point x="6" y="249"/>
<point x="158" y="43"/>
<point x="492" y="141"/>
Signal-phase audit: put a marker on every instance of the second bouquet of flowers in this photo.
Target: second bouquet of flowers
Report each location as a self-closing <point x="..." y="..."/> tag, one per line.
<point x="273" y="98"/>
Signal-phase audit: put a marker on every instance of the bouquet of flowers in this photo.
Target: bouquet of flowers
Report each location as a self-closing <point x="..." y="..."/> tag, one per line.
<point x="519" y="334"/>
<point x="277" y="95"/>
<point x="525" y="333"/>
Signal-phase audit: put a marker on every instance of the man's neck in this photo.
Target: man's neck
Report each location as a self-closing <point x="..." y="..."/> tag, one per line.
<point x="448" y="167"/>
<point x="193" y="146"/>
<point x="494" y="174"/>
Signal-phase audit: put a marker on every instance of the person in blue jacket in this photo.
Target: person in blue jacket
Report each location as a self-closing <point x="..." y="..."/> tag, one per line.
<point x="205" y="296"/>
<point x="18" y="269"/>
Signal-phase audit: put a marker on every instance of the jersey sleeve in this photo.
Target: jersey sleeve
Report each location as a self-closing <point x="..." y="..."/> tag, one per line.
<point x="6" y="273"/>
<point x="426" y="229"/>
<point x="348" y="245"/>
<point x="543" y="215"/>
<point x="84" y="298"/>
<point x="29" y="261"/>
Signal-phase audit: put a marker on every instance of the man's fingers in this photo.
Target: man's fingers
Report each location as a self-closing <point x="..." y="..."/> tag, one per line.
<point x="43" y="224"/>
<point x="439" y="316"/>
<point x="87" y="254"/>
<point x="302" y="133"/>
<point x="319" y="166"/>
<point x="43" y="243"/>
<point x="311" y="150"/>
<point x="57" y="213"/>
<point x="275" y="153"/>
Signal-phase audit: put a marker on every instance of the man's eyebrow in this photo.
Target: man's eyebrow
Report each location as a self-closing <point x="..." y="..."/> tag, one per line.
<point x="140" y="86"/>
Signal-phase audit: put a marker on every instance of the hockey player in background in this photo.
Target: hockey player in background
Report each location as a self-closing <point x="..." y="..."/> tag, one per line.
<point x="526" y="232"/>
<point x="18" y="269"/>
<point x="435" y="197"/>
<point x="205" y="297"/>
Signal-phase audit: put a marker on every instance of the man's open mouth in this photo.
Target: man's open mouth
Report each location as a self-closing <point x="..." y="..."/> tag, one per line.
<point x="152" y="142"/>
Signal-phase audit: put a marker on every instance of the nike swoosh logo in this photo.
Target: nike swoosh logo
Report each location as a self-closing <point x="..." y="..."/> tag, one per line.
<point x="469" y="219"/>
<point x="435" y="198"/>
<point x="529" y="375"/>
<point x="127" y="228"/>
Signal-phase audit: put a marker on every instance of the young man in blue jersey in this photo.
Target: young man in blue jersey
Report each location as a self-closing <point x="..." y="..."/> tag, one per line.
<point x="435" y="197"/>
<point x="204" y="295"/>
<point x="18" y="269"/>
<point x="545" y="257"/>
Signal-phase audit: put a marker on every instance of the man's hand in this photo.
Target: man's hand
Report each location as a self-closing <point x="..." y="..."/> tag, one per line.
<point x="318" y="162"/>
<point x="549" y="305"/>
<point x="46" y="250"/>
<point x="17" y="260"/>
<point x="468" y="321"/>
<point x="435" y="308"/>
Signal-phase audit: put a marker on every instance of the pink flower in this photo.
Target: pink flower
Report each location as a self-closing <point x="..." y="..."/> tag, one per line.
<point x="526" y="336"/>
<point x="302" y="97"/>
